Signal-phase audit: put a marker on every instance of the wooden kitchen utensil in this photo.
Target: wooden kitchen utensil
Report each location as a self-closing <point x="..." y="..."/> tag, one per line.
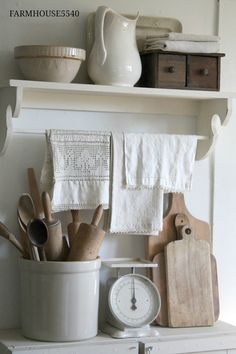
<point x="5" y="233"/>
<point x="86" y="244"/>
<point x="25" y="208"/>
<point x="54" y="248"/>
<point x="215" y="287"/>
<point x="35" y="193"/>
<point x="189" y="281"/>
<point x="159" y="277"/>
<point x="156" y="244"/>
<point x="26" y="212"/>
<point x="28" y="254"/>
<point x="73" y="227"/>
<point x="37" y="233"/>
<point x="180" y="221"/>
<point x="159" y="273"/>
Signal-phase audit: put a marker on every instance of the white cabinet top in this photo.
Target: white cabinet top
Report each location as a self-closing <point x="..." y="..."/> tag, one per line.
<point x="220" y="336"/>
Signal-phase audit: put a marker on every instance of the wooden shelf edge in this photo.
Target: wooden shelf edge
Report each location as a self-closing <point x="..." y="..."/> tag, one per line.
<point x="212" y="109"/>
<point x="118" y="90"/>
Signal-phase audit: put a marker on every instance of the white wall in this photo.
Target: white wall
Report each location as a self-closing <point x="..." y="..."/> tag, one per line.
<point x="227" y="29"/>
<point x="224" y="216"/>
<point x="25" y="150"/>
<point x="71" y="31"/>
<point x="225" y="173"/>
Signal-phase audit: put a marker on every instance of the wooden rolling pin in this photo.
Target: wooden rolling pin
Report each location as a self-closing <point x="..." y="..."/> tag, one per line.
<point x="55" y="247"/>
<point x="86" y="244"/>
<point x="73" y="227"/>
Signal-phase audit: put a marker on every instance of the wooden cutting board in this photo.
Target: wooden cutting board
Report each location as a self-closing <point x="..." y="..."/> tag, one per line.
<point x="180" y="221"/>
<point x="159" y="273"/>
<point x="215" y="287"/>
<point x="159" y="279"/>
<point x="156" y="244"/>
<point x="189" y="282"/>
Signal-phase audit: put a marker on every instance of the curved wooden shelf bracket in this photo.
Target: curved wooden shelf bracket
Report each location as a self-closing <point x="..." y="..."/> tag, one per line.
<point x="10" y="103"/>
<point x="214" y="115"/>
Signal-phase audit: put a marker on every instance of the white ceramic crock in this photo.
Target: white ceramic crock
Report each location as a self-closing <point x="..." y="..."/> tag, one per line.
<point x="59" y="300"/>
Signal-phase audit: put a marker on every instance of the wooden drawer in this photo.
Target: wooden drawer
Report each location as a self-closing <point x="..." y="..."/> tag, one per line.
<point x="171" y="70"/>
<point x="163" y="70"/>
<point x="180" y="70"/>
<point x="203" y="72"/>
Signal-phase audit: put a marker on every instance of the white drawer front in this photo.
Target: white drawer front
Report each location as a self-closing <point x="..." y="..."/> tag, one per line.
<point x="198" y="346"/>
<point x="151" y="350"/>
<point x="212" y="352"/>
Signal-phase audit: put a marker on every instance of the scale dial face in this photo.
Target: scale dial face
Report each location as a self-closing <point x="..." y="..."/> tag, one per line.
<point x="134" y="300"/>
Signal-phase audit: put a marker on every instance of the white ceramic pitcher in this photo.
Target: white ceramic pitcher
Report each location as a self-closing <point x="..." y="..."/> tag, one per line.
<point x="114" y="58"/>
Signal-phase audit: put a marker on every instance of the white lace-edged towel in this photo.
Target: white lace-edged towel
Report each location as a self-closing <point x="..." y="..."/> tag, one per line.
<point x="159" y="161"/>
<point x="76" y="169"/>
<point x="132" y="211"/>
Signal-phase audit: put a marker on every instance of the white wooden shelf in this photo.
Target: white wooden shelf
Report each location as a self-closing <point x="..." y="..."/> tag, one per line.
<point x="218" y="339"/>
<point x="211" y="109"/>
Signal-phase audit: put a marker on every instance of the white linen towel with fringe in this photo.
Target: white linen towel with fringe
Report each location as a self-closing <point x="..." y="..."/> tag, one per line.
<point x="163" y="161"/>
<point x="76" y="169"/>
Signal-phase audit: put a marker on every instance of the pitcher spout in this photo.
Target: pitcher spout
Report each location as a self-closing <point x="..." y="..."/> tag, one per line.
<point x="137" y="17"/>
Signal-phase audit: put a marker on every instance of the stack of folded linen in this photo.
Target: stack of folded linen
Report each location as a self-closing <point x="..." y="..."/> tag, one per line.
<point x="182" y="42"/>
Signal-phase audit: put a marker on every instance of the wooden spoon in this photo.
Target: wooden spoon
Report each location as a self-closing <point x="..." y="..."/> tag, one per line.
<point x="26" y="209"/>
<point x="24" y="239"/>
<point x="26" y="212"/>
<point x="5" y="233"/>
<point x="37" y="232"/>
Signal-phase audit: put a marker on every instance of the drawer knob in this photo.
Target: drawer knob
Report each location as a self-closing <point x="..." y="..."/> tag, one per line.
<point x="172" y="69"/>
<point x="205" y="72"/>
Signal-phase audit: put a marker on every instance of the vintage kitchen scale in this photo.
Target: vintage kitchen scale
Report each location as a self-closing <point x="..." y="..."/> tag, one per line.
<point x="133" y="301"/>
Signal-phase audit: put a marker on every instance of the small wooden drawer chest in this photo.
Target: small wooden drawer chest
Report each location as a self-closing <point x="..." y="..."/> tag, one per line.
<point x="180" y="70"/>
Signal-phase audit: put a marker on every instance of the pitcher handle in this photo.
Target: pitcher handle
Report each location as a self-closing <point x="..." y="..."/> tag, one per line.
<point x="99" y="31"/>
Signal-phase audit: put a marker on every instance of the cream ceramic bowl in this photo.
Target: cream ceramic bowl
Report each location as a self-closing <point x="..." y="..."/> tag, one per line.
<point x="49" y="63"/>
